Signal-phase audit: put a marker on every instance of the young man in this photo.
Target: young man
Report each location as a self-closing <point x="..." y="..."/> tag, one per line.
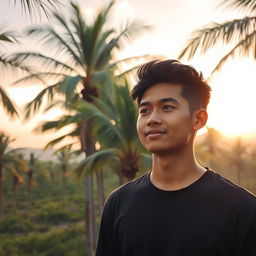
<point x="179" y="208"/>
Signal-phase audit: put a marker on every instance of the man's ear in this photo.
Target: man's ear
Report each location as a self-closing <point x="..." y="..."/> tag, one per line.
<point x="199" y="118"/>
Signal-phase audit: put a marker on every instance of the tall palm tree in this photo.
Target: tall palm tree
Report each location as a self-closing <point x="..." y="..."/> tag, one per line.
<point x="89" y="59"/>
<point x="240" y="32"/>
<point x="114" y="125"/>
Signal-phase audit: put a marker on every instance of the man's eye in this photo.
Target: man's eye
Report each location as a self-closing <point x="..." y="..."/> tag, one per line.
<point x="168" y="107"/>
<point x="144" y="111"/>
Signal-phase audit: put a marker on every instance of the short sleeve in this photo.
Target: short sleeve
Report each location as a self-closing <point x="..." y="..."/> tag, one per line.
<point x="106" y="245"/>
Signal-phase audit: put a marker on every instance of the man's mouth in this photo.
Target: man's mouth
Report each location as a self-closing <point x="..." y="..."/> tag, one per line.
<point x="154" y="133"/>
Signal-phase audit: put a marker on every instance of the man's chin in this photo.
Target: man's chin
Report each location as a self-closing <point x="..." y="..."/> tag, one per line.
<point x="157" y="150"/>
<point x="164" y="151"/>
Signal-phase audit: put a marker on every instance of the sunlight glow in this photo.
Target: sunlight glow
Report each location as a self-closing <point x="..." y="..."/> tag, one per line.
<point x="233" y="105"/>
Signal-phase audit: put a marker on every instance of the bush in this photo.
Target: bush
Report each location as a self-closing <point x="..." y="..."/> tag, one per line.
<point x="54" y="213"/>
<point x="59" y="243"/>
<point x="19" y="224"/>
<point x="15" y="224"/>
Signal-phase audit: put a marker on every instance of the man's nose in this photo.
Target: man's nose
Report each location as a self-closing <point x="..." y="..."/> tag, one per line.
<point x="154" y="118"/>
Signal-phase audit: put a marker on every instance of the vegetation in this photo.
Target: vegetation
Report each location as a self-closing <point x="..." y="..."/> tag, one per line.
<point x="49" y="222"/>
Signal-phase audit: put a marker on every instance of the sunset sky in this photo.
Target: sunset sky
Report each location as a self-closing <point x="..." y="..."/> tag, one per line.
<point x="232" y="107"/>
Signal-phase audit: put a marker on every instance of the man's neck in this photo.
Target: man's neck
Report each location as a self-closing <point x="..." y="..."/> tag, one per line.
<point x="175" y="171"/>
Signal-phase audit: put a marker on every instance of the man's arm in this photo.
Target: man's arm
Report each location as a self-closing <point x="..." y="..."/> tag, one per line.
<point x="106" y="245"/>
<point x="246" y="233"/>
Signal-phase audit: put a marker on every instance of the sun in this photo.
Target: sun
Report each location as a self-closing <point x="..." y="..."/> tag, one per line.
<point x="233" y="104"/>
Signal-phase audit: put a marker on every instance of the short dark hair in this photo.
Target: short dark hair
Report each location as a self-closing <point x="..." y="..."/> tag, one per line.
<point x="194" y="88"/>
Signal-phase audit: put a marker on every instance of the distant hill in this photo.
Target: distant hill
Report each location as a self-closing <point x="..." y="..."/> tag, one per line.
<point x="43" y="155"/>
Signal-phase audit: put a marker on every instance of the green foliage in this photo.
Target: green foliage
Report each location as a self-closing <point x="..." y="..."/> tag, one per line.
<point x="58" y="243"/>
<point x="54" y="213"/>
<point x="49" y="221"/>
<point x="16" y="224"/>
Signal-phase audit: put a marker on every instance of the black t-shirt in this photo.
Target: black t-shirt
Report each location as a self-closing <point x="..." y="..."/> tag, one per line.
<point x="211" y="217"/>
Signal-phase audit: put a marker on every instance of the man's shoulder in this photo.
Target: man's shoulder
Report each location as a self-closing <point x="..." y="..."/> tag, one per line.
<point x="131" y="187"/>
<point x="234" y="193"/>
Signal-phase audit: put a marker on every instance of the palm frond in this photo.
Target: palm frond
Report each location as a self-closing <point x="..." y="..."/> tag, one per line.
<point x="43" y="60"/>
<point x="103" y="159"/>
<point x="36" y="6"/>
<point x="54" y="142"/>
<point x="127" y="112"/>
<point x="5" y="140"/>
<point x="6" y="35"/>
<point x="7" y="104"/>
<point x="51" y="37"/>
<point x="248" y="6"/>
<point x="127" y="60"/>
<point x="13" y="171"/>
<point x="34" y="105"/>
<point x="68" y="87"/>
<point x="101" y="45"/>
<point x="204" y="39"/>
<point x="132" y="29"/>
<point x="244" y="48"/>
<point x="70" y="33"/>
<point x="10" y="65"/>
<point x="102" y="124"/>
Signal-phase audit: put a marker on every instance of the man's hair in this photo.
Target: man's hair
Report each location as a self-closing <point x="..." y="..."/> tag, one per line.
<point x="194" y="88"/>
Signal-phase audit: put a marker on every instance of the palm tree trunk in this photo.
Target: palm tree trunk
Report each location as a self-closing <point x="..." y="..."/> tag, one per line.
<point x="30" y="179"/>
<point x="89" y="148"/>
<point x="1" y="192"/>
<point x="64" y="170"/>
<point x="101" y="193"/>
<point x="15" y="185"/>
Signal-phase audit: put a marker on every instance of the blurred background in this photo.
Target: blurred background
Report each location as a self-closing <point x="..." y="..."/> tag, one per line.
<point x="68" y="126"/>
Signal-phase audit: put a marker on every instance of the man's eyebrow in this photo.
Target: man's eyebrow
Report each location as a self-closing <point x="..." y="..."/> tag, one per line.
<point x="169" y="99"/>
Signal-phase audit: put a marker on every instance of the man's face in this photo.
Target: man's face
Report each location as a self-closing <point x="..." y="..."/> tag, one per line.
<point x="164" y="123"/>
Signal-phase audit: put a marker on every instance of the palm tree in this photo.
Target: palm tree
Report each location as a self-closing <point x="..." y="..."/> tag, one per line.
<point x="35" y="168"/>
<point x="64" y="155"/>
<point x="240" y="32"/>
<point x="21" y="168"/>
<point x="8" y="163"/>
<point x="114" y="125"/>
<point x="89" y="53"/>
<point x="237" y="158"/>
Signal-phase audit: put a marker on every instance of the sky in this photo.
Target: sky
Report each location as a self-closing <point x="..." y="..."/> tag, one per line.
<point x="232" y="104"/>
